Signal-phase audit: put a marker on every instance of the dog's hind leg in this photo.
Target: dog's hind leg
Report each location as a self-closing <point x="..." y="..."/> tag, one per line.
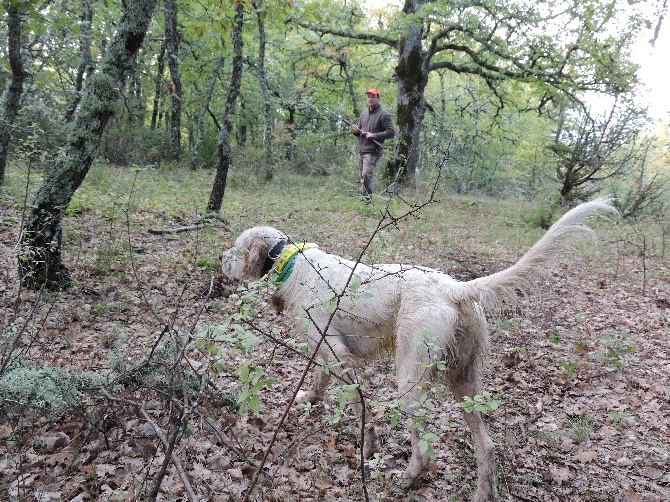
<point x="317" y="389"/>
<point x="466" y="383"/>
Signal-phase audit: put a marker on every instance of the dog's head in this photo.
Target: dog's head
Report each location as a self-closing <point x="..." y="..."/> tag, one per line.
<point x="245" y="260"/>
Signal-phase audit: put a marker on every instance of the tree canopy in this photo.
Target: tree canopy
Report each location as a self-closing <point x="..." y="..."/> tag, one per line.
<point x="485" y="85"/>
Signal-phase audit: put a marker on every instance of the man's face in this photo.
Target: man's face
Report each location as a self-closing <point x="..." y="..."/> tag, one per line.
<point x="373" y="99"/>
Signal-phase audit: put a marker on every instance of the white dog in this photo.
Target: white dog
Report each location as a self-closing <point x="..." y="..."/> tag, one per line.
<point x="424" y="315"/>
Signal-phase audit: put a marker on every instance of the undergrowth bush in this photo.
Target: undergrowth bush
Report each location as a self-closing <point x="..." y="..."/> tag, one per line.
<point x="124" y="145"/>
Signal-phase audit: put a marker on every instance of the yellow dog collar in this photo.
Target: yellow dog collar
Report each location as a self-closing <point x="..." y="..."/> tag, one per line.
<point x="289" y="253"/>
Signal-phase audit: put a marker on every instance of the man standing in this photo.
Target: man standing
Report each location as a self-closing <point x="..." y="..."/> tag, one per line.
<point x="374" y="126"/>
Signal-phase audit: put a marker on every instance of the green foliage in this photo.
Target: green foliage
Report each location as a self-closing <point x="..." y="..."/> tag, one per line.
<point x="345" y="394"/>
<point x="433" y="350"/>
<point x="208" y="264"/>
<point x="376" y="464"/>
<point x="539" y="217"/>
<point x="571" y="366"/>
<point x="617" y="417"/>
<point x="237" y="337"/>
<point x="426" y="441"/>
<point x="484" y="403"/>
<point x="252" y="381"/>
<point x="611" y="351"/>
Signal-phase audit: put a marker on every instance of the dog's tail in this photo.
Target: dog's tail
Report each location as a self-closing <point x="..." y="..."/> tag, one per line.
<point x="522" y="277"/>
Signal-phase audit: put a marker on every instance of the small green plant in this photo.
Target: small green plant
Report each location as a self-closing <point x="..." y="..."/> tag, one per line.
<point x="252" y="381"/>
<point x="426" y="441"/>
<point x="345" y="394"/>
<point x="617" y="417"/>
<point x="539" y="217"/>
<point x="434" y="351"/>
<point x="484" y="403"/>
<point x="570" y="367"/>
<point x="376" y="464"/>
<point x="579" y="429"/>
<point x="235" y="336"/>
<point x="615" y="348"/>
<point x="112" y="339"/>
<point x="208" y="264"/>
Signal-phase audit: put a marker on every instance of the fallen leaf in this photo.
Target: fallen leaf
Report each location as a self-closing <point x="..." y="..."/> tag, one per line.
<point x="558" y="474"/>
<point x="322" y="483"/>
<point x="651" y="472"/>
<point x="624" y="462"/>
<point x="632" y="496"/>
<point x="585" y="456"/>
<point x="235" y="473"/>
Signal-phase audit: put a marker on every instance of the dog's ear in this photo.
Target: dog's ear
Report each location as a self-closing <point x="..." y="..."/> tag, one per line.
<point x="259" y="247"/>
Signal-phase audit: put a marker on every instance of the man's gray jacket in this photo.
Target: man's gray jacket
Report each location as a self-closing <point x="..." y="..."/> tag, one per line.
<point x="378" y="121"/>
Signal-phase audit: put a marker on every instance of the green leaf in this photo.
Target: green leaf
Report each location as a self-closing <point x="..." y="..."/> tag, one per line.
<point x="254" y="403"/>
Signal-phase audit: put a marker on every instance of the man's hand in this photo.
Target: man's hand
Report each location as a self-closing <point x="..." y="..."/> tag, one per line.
<point x="369" y="135"/>
<point x="355" y="129"/>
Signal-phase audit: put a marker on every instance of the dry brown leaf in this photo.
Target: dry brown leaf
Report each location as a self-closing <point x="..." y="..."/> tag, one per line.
<point x="624" y="462"/>
<point x="559" y="474"/>
<point x="651" y="472"/>
<point x="585" y="456"/>
<point x="322" y="483"/>
<point x="235" y="474"/>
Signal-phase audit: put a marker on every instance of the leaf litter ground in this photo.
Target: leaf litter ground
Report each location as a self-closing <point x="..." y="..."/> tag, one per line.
<point x="584" y="370"/>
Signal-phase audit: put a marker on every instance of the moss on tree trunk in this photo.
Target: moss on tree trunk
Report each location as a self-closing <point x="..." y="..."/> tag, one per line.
<point x="412" y="75"/>
<point x="40" y="262"/>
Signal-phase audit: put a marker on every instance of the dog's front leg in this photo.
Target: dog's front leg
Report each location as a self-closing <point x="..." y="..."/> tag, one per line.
<point x="370" y="438"/>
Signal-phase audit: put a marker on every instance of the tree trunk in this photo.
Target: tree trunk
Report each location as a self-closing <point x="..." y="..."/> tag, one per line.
<point x="412" y="74"/>
<point x="40" y="254"/>
<point x="86" y="65"/>
<point x="219" y="187"/>
<point x="290" y="128"/>
<point x="12" y="96"/>
<point x="158" y="84"/>
<point x="200" y="121"/>
<point x="267" y="109"/>
<point x="350" y="89"/>
<point x="172" y="47"/>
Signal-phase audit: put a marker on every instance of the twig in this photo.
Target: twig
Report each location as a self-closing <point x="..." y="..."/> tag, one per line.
<point x="169" y="449"/>
<point x="253" y="463"/>
<point x="197" y="224"/>
<point x="187" y="228"/>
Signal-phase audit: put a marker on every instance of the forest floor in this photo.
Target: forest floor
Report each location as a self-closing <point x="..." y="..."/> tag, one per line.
<point x="583" y="372"/>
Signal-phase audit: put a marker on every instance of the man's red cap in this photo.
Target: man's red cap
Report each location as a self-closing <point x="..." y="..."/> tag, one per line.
<point x="373" y="91"/>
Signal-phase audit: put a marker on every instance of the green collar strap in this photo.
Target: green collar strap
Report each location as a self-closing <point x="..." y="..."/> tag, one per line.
<point x="285" y="263"/>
